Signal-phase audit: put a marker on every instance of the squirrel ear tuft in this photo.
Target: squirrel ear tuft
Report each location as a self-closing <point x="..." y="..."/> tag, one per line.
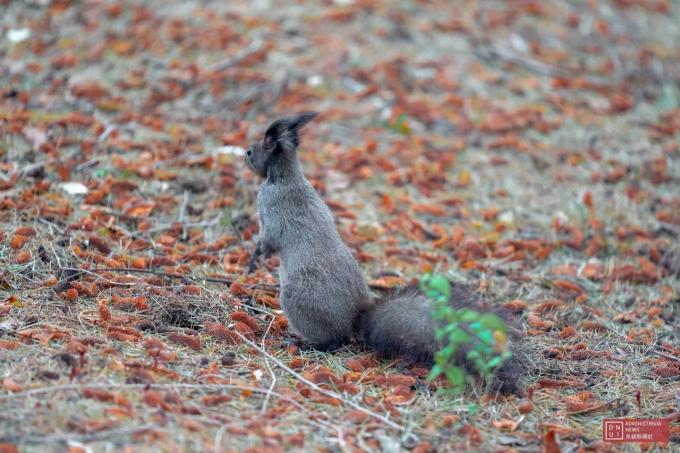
<point x="303" y="118"/>
<point x="285" y="131"/>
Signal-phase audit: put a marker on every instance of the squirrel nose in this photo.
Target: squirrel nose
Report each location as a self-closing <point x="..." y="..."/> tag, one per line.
<point x="249" y="152"/>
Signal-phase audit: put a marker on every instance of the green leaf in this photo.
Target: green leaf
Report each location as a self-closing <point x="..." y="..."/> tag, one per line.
<point x="451" y="327"/>
<point x="459" y="337"/>
<point x="440" y="284"/>
<point x="436" y="371"/>
<point x="400" y="125"/>
<point x="455" y="376"/>
<point x="468" y="315"/>
<point x="447" y="351"/>
<point x="492" y="322"/>
<point x="486" y="336"/>
<point x="441" y="313"/>
<point x="494" y="362"/>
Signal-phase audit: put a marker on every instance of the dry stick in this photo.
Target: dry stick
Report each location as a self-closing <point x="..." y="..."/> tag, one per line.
<point x="90" y="272"/>
<point x="269" y="368"/>
<point x="666" y="356"/>
<point x="618" y="402"/>
<point x="309" y="383"/>
<point x="227" y="63"/>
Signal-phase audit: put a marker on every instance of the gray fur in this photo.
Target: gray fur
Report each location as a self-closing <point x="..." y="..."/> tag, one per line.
<point x="322" y="287"/>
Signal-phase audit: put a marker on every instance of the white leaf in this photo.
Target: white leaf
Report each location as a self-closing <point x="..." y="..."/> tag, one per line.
<point x="18" y="35"/>
<point x="315" y="80"/>
<point x="235" y="150"/>
<point x="73" y="188"/>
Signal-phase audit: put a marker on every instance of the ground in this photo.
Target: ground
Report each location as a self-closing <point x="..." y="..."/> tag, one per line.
<point x="526" y="148"/>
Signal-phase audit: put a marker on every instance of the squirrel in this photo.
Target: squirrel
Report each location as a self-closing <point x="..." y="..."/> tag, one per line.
<point x="324" y="293"/>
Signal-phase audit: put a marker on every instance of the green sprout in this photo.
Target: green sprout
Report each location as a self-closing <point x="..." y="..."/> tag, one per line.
<point x="482" y="335"/>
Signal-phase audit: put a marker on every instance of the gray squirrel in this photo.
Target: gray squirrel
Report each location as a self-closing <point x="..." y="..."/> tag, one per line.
<point x="324" y="293"/>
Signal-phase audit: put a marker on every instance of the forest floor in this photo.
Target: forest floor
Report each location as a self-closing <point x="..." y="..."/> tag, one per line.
<point x="530" y="149"/>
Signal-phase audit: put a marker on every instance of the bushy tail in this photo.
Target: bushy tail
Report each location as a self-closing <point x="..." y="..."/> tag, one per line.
<point x="402" y="325"/>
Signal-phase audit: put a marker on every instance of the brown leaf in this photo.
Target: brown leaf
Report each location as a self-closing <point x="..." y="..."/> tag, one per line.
<point x="18" y="241"/>
<point x="666" y="371"/>
<point x="505" y="424"/>
<point x="11" y="385"/>
<point x="214" y="400"/>
<point x="98" y="394"/>
<point x="220" y="332"/>
<point x="26" y="231"/>
<point x="140" y="211"/>
<point x="390" y="380"/>
<point x="556" y="383"/>
<point x="550" y="443"/>
<point x="245" y="318"/>
<point x="473" y="434"/>
<point x="191" y="341"/>
<point x="100" y="244"/>
<point x="324" y="375"/>
<point x="8" y="448"/>
<point x="154" y="398"/>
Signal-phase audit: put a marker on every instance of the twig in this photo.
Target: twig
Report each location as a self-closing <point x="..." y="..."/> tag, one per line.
<point x="89" y="272"/>
<point x="666" y="356"/>
<point x="312" y="385"/>
<point x="218" y="437"/>
<point x="59" y="229"/>
<point x="227" y="63"/>
<point x="182" y="213"/>
<point x="205" y="223"/>
<point x="269" y="368"/>
<point x="489" y="53"/>
<point x="618" y="402"/>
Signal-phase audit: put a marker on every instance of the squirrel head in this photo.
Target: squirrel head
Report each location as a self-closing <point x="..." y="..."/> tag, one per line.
<point x="278" y="145"/>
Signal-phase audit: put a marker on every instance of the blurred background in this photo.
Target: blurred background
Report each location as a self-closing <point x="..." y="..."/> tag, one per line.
<point x="403" y="86"/>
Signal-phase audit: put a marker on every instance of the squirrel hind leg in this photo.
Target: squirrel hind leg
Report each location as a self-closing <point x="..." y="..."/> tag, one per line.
<point x="329" y="346"/>
<point x="304" y="345"/>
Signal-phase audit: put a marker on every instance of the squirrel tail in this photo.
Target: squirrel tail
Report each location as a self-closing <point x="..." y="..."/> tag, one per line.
<point x="402" y="325"/>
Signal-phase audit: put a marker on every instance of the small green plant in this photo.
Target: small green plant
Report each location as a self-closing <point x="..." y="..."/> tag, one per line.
<point x="399" y="125"/>
<point x="482" y="335"/>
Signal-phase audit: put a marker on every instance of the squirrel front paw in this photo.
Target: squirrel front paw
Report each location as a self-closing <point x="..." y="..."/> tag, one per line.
<point x="252" y="265"/>
<point x="254" y="258"/>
